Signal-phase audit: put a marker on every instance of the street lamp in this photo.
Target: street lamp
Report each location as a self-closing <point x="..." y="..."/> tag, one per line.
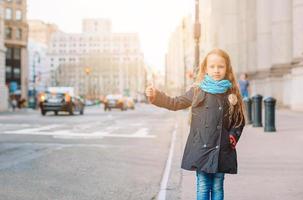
<point x="184" y="54"/>
<point x="197" y="34"/>
<point x="33" y="100"/>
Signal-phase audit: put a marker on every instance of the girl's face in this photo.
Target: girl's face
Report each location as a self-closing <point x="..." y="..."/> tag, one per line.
<point x="216" y="67"/>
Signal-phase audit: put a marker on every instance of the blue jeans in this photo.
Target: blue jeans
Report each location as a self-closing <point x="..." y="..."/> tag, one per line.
<point x="244" y="94"/>
<point x="210" y="185"/>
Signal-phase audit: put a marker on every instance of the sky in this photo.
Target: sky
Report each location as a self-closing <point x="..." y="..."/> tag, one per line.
<point x="154" y="20"/>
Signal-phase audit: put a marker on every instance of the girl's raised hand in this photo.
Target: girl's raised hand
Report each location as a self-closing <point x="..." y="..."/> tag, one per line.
<point x="150" y="92"/>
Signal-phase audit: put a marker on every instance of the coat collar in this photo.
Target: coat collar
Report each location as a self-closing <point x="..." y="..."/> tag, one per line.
<point x="199" y="96"/>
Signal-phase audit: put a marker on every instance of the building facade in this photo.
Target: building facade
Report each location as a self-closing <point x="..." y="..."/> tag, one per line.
<point x="96" y="26"/>
<point x="16" y="35"/>
<point x="39" y="72"/>
<point x="3" y="88"/>
<point x="180" y="58"/>
<point x="264" y="39"/>
<point x="41" y="32"/>
<point x="115" y="60"/>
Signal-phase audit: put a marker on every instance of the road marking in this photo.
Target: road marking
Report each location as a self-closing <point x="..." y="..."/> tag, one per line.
<point x="71" y="134"/>
<point x="163" y="187"/>
<point x="141" y="133"/>
<point x="137" y="124"/>
<point x="33" y="130"/>
<point x="9" y="126"/>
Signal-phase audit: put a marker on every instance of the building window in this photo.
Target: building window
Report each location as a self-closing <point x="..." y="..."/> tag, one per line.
<point x="8" y="33"/>
<point x="17" y="53"/>
<point x="18" y="15"/>
<point x="19" y="34"/>
<point x="8" y="14"/>
<point x="17" y="73"/>
<point x="19" y="1"/>
<point x="8" y="72"/>
<point x="61" y="59"/>
<point x="9" y="53"/>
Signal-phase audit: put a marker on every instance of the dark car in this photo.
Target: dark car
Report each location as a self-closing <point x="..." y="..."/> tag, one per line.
<point x="115" y="101"/>
<point x="57" y="102"/>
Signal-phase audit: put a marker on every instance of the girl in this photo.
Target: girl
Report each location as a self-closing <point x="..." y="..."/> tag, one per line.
<point x="217" y="121"/>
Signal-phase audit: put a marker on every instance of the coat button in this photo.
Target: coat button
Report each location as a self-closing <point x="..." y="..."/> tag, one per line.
<point x="217" y="147"/>
<point x="204" y="145"/>
<point x="220" y="108"/>
<point x="206" y="107"/>
<point x="206" y="126"/>
<point x="218" y="127"/>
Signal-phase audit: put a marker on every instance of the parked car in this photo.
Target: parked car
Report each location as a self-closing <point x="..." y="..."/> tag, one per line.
<point x="60" y="101"/>
<point x="130" y="103"/>
<point x="115" y="101"/>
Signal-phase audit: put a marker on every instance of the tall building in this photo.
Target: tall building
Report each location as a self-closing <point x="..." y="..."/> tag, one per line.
<point x="264" y="39"/>
<point x="115" y="60"/>
<point x="16" y="33"/>
<point x="96" y="26"/>
<point x="3" y="88"/>
<point x="179" y="58"/>
<point x="41" y="32"/>
<point x="39" y="72"/>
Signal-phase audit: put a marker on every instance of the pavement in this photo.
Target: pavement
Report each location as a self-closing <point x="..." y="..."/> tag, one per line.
<point x="270" y="164"/>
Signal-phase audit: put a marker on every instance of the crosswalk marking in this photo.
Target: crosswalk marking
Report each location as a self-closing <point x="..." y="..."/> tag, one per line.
<point x="5" y="125"/>
<point x="33" y="130"/>
<point x="58" y="131"/>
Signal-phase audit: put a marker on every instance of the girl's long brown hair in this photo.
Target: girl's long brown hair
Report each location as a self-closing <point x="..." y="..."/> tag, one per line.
<point x="236" y="112"/>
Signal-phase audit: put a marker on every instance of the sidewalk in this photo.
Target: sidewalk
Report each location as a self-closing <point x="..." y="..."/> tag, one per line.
<point x="270" y="164"/>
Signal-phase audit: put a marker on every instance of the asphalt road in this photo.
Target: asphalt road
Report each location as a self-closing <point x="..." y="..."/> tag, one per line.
<point x="100" y="155"/>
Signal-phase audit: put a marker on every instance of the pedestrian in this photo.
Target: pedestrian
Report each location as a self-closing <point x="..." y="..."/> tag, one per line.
<point x="244" y="85"/>
<point x="14" y="103"/>
<point x="216" y="124"/>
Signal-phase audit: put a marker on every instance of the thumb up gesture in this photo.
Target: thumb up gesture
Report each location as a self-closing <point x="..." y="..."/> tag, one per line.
<point x="150" y="92"/>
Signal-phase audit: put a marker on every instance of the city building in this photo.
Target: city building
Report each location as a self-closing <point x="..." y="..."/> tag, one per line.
<point x="3" y="88"/>
<point x="264" y="39"/>
<point x="179" y="61"/>
<point x="41" y="32"/>
<point x="115" y="60"/>
<point x="39" y="72"/>
<point x="16" y="35"/>
<point x="96" y="26"/>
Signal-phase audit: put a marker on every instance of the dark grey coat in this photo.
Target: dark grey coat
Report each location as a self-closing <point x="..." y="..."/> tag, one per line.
<point x="207" y="147"/>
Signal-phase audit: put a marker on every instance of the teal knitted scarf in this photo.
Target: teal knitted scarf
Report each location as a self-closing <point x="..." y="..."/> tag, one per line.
<point x="212" y="86"/>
